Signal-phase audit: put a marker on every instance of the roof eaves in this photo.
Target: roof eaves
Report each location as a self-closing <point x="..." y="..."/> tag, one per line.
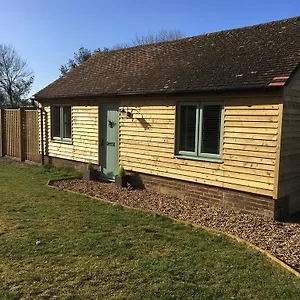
<point x="168" y="93"/>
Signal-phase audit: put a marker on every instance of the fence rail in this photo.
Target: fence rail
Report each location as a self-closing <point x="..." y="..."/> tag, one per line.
<point x="19" y="134"/>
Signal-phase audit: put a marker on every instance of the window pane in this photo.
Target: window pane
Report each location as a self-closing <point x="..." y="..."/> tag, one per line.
<point x="55" y="121"/>
<point x="67" y="122"/>
<point x="211" y="126"/>
<point x="187" y="137"/>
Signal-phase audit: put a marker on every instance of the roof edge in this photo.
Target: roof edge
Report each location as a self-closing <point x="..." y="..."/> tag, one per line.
<point x="160" y="93"/>
<point x="295" y="71"/>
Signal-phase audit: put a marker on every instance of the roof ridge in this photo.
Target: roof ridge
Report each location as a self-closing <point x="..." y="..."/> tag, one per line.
<point x="189" y="38"/>
<point x="254" y="25"/>
<point x="248" y="56"/>
<point x="150" y="45"/>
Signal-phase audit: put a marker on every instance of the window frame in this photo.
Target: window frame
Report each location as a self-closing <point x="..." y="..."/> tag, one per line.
<point x="61" y="138"/>
<point x="187" y="153"/>
<point x="197" y="154"/>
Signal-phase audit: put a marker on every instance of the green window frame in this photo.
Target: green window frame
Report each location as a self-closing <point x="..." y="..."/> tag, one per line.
<point x="61" y="122"/>
<point x="196" y="122"/>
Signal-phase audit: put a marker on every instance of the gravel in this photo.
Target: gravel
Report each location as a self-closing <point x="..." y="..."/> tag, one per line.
<point x="279" y="238"/>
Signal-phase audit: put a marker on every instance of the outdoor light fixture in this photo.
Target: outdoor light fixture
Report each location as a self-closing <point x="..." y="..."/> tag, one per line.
<point x="128" y="114"/>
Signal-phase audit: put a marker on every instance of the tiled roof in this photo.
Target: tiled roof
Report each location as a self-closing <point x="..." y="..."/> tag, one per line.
<point x="250" y="57"/>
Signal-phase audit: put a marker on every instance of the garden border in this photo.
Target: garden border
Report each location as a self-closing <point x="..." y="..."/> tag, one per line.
<point x="211" y="230"/>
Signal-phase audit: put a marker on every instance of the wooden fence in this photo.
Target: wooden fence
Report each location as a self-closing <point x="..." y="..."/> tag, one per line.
<point x="19" y="134"/>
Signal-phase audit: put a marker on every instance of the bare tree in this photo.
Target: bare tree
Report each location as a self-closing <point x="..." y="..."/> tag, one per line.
<point x="84" y="54"/>
<point x="3" y="101"/>
<point x="161" y="36"/>
<point x="15" y="77"/>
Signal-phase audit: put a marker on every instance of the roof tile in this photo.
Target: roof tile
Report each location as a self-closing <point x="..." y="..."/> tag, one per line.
<point x="240" y="58"/>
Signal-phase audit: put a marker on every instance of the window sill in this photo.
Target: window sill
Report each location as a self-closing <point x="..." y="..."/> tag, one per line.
<point x="208" y="159"/>
<point x="62" y="142"/>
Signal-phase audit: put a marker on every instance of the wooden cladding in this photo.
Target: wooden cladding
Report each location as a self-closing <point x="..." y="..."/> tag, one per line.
<point x="289" y="168"/>
<point x="19" y="134"/>
<point x="147" y="140"/>
<point x="84" y="142"/>
<point x="249" y="144"/>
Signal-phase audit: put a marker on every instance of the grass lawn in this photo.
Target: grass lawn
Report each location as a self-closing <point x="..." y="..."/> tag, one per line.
<point x="57" y="244"/>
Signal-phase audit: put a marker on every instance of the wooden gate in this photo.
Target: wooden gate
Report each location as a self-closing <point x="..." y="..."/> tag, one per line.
<point x="19" y="134"/>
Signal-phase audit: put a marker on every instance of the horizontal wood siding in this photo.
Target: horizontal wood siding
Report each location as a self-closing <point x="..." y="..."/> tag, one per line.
<point x="289" y="173"/>
<point x="249" y="143"/>
<point x="84" y="147"/>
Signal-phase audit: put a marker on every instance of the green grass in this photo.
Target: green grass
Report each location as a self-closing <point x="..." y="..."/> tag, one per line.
<point x="54" y="243"/>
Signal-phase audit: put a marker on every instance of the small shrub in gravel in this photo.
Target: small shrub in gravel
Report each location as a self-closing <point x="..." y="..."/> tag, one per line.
<point x="90" y="173"/>
<point x="89" y="167"/>
<point x="121" y="179"/>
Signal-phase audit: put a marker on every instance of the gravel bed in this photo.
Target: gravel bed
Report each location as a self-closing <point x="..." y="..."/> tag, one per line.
<point x="280" y="239"/>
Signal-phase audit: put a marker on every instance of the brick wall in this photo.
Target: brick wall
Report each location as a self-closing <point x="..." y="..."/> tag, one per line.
<point x="258" y="204"/>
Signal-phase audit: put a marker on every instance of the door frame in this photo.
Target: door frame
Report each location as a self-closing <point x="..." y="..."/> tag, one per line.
<point x="101" y="116"/>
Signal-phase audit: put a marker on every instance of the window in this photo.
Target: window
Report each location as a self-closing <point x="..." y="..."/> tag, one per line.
<point x="199" y="130"/>
<point x="61" y="122"/>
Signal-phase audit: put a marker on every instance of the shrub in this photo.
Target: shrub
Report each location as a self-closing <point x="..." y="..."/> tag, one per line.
<point x="89" y="166"/>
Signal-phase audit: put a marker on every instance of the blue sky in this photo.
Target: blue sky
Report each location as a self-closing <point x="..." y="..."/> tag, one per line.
<point x="47" y="33"/>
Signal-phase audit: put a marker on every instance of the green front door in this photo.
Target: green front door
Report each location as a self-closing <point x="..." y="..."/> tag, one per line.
<point x="109" y="140"/>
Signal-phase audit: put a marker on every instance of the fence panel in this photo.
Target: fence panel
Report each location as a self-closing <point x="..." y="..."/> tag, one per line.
<point x="31" y="136"/>
<point x="19" y="134"/>
<point x="12" y="132"/>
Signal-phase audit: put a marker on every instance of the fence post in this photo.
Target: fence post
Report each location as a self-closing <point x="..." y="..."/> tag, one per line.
<point x="41" y="137"/>
<point x="21" y="141"/>
<point x="1" y="133"/>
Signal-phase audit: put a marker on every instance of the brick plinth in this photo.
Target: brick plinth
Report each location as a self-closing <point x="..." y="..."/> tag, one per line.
<point x="258" y="204"/>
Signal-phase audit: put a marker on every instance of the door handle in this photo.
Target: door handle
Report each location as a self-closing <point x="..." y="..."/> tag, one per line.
<point x="102" y="143"/>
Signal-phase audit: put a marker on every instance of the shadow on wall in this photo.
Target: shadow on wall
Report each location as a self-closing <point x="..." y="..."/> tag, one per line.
<point x="144" y="123"/>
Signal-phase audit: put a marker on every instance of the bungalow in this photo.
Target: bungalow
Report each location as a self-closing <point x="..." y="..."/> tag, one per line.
<point x="215" y="117"/>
